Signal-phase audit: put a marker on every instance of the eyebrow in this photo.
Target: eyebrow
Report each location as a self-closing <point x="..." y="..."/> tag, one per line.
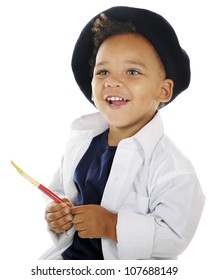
<point x="136" y="62"/>
<point x="133" y="62"/>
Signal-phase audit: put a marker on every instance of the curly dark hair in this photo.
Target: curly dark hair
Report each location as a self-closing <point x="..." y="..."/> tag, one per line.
<point x="104" y="27"/>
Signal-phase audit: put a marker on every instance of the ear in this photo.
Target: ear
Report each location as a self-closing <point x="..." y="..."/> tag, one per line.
<point x="166" y="91"/>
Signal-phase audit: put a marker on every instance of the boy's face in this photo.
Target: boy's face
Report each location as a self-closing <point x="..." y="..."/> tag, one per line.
<point x="129" y="82"/>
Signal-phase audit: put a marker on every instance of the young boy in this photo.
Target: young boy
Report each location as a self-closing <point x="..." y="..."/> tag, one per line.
<point x="132" y="194"/>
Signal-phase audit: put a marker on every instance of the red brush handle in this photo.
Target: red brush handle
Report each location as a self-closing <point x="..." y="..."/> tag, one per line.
<point x="50" y="194"/>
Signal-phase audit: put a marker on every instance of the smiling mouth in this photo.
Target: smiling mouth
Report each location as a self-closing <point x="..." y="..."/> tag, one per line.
<point x="116" y="101"/>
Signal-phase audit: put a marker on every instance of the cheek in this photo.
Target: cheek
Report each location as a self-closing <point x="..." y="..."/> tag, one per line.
<point x="139" y="92"/>
<point x="144" y="92"/>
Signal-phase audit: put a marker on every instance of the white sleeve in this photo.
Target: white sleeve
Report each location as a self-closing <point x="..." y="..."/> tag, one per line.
<point x="175" y="208"/>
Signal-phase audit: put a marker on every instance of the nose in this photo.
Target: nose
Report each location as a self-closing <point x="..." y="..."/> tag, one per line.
<point x="113" y="83"/>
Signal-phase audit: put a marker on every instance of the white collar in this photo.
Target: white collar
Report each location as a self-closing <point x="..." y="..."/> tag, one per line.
<point x="150" y="134"/>
<point x="147" y="137"/>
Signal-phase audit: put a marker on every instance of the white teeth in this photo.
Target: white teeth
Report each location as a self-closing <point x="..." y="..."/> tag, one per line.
<point x="115" y="98"/>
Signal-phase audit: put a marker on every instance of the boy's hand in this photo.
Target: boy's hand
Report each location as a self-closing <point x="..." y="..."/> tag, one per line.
<point x="58" y="216"/>
<point x="94" y="221"/>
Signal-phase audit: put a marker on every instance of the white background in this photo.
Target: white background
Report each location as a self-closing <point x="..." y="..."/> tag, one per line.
<point x="39" y="99"/>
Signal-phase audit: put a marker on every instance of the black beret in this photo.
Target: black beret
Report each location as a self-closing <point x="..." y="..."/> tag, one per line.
<point x="154" y="28"/>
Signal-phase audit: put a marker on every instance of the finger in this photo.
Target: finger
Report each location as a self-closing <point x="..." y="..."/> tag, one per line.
<point x="67" y="202"/>
<point x="51" y="216"/>
<point x="60" y="222"/>
<point x="54" y="207"/>
<point x="78" y="209"/>
<point x="83" y="234"/>
<point x="62" y="229"/>
<point x="80" y="227"/>
<point x="79" y="218"/>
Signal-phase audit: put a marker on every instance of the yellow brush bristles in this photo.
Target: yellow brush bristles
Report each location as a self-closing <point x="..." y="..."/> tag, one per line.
<point x="26" y="176"/>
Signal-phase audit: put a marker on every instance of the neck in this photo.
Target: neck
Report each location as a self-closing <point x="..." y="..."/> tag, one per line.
<point x="116" y="134"/>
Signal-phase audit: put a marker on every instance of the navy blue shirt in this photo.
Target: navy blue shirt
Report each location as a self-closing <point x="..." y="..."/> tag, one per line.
<point x="90" y="177"/>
